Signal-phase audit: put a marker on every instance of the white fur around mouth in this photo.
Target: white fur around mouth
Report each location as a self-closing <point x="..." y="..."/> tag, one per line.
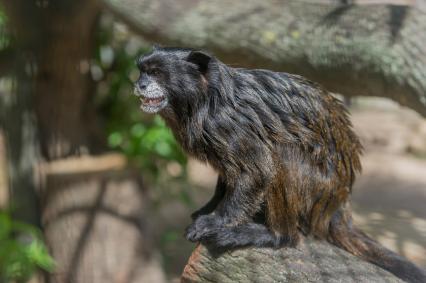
<point x="152" y="100"/>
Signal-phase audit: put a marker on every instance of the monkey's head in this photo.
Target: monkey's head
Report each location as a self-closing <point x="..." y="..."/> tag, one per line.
<point x="172" y="80"/>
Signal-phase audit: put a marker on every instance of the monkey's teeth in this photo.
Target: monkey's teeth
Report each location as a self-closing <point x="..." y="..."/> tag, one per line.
<point x="152" y="101"/>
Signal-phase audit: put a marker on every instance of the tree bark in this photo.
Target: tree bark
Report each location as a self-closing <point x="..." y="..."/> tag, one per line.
<point x="375" y="48"/>
<point x="311" y="261"/>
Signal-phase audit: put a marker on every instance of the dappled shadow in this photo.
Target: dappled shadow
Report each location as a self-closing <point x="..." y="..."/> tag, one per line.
<point x="97" y="229"/>
<point x="85" y="232"/>
<point x="334" y="15"/>
<point x="100" y="208"/>
<point x="393" y="212"/>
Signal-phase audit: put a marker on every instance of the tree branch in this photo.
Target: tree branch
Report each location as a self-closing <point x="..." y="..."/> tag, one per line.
<point x="311" y="261"/>
<point x="374" y="49"/>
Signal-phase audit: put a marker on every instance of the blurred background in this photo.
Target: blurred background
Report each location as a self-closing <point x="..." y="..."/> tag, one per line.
<point x="93" y="190"/>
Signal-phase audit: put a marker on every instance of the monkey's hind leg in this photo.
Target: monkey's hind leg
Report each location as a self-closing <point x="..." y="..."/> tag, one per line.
<point x="238" y="207"/>
<point x="282" y="212"/>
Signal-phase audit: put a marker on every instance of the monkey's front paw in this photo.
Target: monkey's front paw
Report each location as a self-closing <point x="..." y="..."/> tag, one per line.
<point x="204" y="226"/>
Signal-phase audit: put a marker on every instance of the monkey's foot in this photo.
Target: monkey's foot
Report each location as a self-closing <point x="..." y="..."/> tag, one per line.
<point x="213" y="231"/>
<point x="202" y="227"/>
<point x="248" y="234"/>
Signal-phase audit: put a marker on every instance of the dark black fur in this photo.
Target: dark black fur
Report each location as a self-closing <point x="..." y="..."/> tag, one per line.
<point x="283" y="148"/>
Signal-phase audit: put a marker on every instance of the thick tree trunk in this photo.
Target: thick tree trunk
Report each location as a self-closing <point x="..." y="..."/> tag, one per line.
<point x="63" y="87"/>
<point x="368" y="48"/>
<point x="311" y="261"/>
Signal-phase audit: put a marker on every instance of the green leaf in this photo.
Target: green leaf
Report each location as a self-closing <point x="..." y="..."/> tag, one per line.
<point x="21" y="250"/>
<point x="163" y="148"/>
<point x="115" y="139"/>
<point x="37" y="253"/>
<point x="138" y="130"/>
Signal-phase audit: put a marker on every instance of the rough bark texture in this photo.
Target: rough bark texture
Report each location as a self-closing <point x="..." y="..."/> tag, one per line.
<point x="368" y="48"/>
<point x="311" y="261"/>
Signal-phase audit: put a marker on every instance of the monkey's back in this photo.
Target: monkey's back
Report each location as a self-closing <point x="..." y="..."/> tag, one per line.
<point x="298" y="113"/>
<point x="314" y="150"/>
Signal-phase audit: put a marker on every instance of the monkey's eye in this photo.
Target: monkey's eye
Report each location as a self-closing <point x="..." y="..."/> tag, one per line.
<point x="153" y="72"/>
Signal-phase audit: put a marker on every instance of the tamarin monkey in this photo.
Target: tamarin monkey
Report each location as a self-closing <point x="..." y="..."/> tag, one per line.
<point x="283" y="147"/>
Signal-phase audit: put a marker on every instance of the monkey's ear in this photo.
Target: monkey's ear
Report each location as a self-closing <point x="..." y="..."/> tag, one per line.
<point x="201" y="59"/>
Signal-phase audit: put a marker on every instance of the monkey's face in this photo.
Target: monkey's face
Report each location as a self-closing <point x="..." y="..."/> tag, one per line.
<point x="171" y="81"/>
<point x="150" y="90"/>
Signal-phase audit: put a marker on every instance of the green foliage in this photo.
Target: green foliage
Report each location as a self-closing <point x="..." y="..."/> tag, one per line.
<point x="145" y="139"/>
<point x="22" y="251"/>
<point x="149" y="144"/>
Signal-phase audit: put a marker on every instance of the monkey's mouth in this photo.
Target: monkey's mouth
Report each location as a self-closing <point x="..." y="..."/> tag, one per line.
<point x="153" y="104"/>
<point x="152" y="101"/>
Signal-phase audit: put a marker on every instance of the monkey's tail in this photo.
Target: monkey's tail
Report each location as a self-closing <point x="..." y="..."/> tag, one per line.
<point x="344" y="235"/>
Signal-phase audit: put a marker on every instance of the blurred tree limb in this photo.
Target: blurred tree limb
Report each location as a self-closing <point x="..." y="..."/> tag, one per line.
<point x="375" y="48"/>
<point x="7" y="61"/>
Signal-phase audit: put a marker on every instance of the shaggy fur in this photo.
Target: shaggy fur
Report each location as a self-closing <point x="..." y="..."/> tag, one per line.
<point x="283" y="147"/>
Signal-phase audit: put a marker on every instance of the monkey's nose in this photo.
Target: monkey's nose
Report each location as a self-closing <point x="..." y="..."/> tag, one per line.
<point x="142" y="86"/>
